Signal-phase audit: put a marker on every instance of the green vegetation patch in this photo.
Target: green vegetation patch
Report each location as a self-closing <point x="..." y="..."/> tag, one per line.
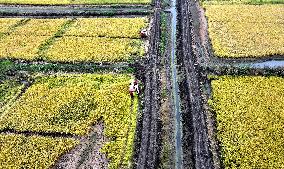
<point x="9" y="90"/>
<point x="240" y="31"/>
<point x="18" y="151"/>
<point x="250" y="120"/>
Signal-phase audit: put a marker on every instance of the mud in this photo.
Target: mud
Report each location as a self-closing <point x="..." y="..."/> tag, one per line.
<point x="201" y="144"/>
<point x="87" y="154"/>
<point x="148" y="155"/>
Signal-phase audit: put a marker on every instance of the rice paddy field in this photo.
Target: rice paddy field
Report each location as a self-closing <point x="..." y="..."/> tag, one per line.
<point x="72" y="40"/>
<point x="249" y="118"/>
<point x="68" y="104"/>
<point x="88" y="116"/>
<point x="245" y="30"/>
<point x="245" y="102"/>
<point x="68" y="69"/>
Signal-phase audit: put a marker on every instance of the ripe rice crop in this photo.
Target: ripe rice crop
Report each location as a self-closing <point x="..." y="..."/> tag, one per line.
<point x="6" y="23"/>
<point x="68" y="2"/>
<point x="21" y="46"/>
<point x="95" y="40"/>
<point x="108" y="27"/>
<point x="25" y="41"/>
<point x="72" y="103"/>
<point x="246" y="30"/>
<point x="69" y="49"/>
<point x="250" y="119"/>
<point x="18" y="151"/>
<point x="40" y="27"/>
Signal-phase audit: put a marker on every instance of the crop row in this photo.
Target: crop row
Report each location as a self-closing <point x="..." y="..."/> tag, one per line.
<point x="72" y="104"/>
<point x="250" y="119"/>
<point x="18" y="151"/>
<point x="68" y="2"/>
<point x="96" y="39"/>
<point x="246" y="30"/>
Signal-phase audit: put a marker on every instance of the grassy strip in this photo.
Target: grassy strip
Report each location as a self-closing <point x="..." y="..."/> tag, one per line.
<point x="18" y="151"/>
<point x="249" y="120"/>
<point x="241" y="31"/>
<point x="8" y="67"/>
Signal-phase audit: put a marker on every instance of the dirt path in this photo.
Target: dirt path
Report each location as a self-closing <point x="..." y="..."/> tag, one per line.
<point x="148" y="154"/>
<point x="86" y="155"/>
<point x="201" y="144"/>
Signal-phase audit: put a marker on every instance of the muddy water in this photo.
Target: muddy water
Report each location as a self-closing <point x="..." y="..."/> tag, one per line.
<point x="267" y="64"/>
<point x="175" y="90"/>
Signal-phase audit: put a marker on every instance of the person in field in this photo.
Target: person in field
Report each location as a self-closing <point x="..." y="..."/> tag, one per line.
<point x="133" y="87"/>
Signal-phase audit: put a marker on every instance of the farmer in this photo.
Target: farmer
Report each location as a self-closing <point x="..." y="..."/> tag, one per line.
<point x="133" y="87"/>
<point x="144" y="33"/>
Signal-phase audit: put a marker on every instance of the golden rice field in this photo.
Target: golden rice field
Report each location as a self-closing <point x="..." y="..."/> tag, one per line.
<point x="72" y="104"/>
<point x="70" y="2"/>
<point x="94" y="49"/>
<point x="6" y="23"/>
<point x="83" y="40"/>
<point x="250" y="119"/>
<point x="108" y="27"/>
<point x="18" y="151"/>
<point x="241" y="31"/>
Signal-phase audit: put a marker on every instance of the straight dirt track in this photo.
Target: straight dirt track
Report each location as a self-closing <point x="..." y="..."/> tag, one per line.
<point x="200" y="152"/>
<point x="149" y="149"/>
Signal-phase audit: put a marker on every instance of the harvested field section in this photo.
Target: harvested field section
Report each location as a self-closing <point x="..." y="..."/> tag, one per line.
<point x="68" y="49"/>
<point x="17" y="151"/>
<point x="108" y="27"/>
<point x="70" y="2"/>
<point x="241" y="31"/>
<point x="72" y="104"/>
<point x="250" y="120"/>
